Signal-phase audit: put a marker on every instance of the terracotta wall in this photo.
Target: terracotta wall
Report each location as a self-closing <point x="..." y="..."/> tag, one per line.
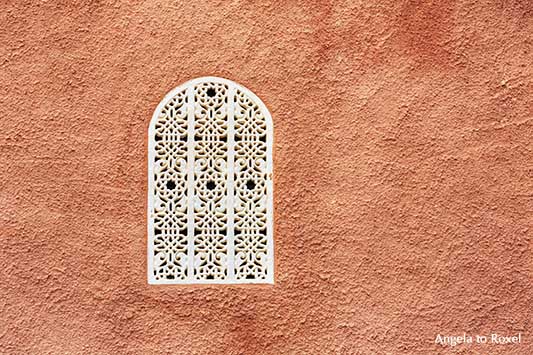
<point x="403" y="174"/>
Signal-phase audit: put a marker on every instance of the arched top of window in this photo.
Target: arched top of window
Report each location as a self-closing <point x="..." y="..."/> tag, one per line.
<point x="210" y="186"/>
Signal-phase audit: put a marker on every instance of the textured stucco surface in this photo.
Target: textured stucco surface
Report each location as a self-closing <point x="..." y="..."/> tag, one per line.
<point x="403" y="174"/>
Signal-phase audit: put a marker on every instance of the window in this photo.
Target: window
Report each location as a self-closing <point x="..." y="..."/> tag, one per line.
<point x="210" y="186"/>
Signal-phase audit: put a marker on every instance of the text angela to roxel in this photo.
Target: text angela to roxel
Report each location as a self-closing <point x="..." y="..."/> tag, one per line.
<point x="492" y="338"/>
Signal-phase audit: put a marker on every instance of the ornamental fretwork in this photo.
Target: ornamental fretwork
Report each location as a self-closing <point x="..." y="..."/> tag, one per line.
<point x="210" y="188"/>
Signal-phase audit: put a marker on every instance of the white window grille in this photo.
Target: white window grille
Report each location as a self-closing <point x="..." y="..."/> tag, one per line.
<point x="210" y="186"/>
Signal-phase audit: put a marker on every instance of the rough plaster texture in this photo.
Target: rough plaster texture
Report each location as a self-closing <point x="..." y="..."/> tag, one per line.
<point x="403" y="174"/>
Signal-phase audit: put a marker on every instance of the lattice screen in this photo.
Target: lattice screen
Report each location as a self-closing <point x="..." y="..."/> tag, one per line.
<point x="210" y="186"/>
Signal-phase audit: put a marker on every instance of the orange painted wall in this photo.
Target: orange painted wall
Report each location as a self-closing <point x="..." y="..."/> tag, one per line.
<point x="403" y="174"/>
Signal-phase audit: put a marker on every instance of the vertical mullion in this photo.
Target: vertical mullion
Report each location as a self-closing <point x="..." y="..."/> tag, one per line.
<point x="270" y="212"/>
<point x="230" y="182"/>
<point x="190" y="183"/>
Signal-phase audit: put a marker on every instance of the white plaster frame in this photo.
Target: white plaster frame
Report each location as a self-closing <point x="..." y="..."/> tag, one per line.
<point x="189" y="85"/>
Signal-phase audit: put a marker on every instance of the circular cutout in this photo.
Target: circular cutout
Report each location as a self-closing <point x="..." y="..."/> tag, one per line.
<point x="210" y="185"/>
<point x="171" y="185"/>
<point x="250" y="184"/>
<point x="211" y="92"/>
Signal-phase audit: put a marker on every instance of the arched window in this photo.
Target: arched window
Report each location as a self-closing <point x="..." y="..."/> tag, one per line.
<point x="210" y="186"/>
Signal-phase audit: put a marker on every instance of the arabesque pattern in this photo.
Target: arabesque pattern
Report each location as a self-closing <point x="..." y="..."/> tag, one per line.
<point x="210" y="187"/>
<point x="251" y="191"/>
